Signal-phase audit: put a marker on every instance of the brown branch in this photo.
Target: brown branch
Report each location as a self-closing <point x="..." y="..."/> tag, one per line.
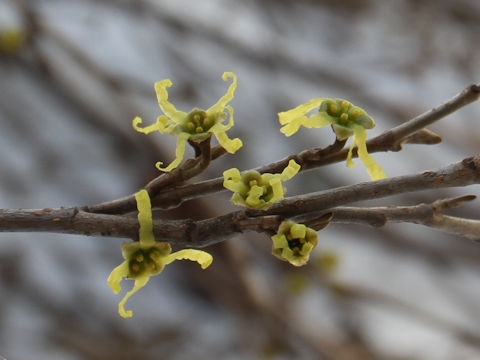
<point x="209" y="231"/>
<point x="425" y="214"/>
<point x="72" y="220"/>
<point x="463" y="173"/>
<point x="188" y="170"/>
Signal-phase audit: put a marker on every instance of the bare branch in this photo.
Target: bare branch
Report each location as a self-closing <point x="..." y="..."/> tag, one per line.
<point x="206" y="232"/>
<point x="424" y="214"/>
<point x="463" y="173"/>
<point x="189" y="169"/>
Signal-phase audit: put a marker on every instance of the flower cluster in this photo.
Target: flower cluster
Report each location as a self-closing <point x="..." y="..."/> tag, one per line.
<point x="294" y="242"/>
<point x="147" y="257"/>
<point x="196" y="125"/>
<point x="346" y="119"/>
<point x="258" y="191"/>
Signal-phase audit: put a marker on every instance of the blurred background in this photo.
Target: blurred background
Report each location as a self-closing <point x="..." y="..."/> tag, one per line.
<point x="75" y="72"/>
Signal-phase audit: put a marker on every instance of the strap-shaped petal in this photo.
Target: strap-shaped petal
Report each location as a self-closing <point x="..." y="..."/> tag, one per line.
<point x="318" y="120"/>
<point x="306" y="249"/>
<point x="231" y="145"/>
<point x="167" y="107"/>
<point x="253" y="198"/>
<point x="350" y="162"/>
<point x="287" y="116"/>
<point x="298" y="231"/>
<point x="222" y="102"/>
<point x="231" y="180"/>
<point x="293" y="126"/>
<point x="158" y="126"/>
<point x="374" y="170"/>
<point x="117" y="275"/>
<point x="231" y="120"/>
<point x="179" y="152"/>
<point x="201" y="257"/>
<point x="139" y="283"/>
<point x="279" y="241"/>
<point x="290" y="171"/>
<point x="145" y="233"/>
<point x="277" y="189"/>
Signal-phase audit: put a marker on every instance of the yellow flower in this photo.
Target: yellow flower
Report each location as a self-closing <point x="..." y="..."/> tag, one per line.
<point x="194" y="126"/>
<point x="346" y="119"/>
<point x="257" y="191"/>
<point x="294" y="242"/>
<point x="147" y="257"/>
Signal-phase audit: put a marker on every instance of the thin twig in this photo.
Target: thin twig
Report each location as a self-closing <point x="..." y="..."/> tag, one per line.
<point x="188" y="170"/>
<point x="424" y="214"/>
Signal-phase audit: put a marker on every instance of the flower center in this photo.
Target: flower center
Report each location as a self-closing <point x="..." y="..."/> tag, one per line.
<point x="143" y="261"/>
<point x="295" y="244"/>
<point x="197" y="122"/>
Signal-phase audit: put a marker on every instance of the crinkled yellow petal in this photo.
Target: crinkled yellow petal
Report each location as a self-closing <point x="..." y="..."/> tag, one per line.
<point x="279" y="241"/>
<point x="350" y="162"/>
<point x="146" y="237"/>
<point x="298" y="260"/>
<point x="231" y="145"/>
<point x="290" y="171"/>
<point x="253" y="198"/>
<point x="298" y="231"/>
<point x="117" y="275"/>
<point x="222" y="102"/>
<point x="313" y="121"/>
<point x="179" y="152"/>
<point x="374" y="170"/>
<point x="293" y="126"/>
<point x="287" y="253"/>
<point x="231" y="180"/>
<point x="202" y="257"/>
<point x="219" y="127"/>
<point x="238" y="199"/>
<point x="294" y="118"/>
<point x="231" y="121"/>
<point x="167" y="107"/>
<point x="286" y="117"/>
<point x="277" y="189"/>
<point x="306" y="249"/>
<point x="317" y="120"/>
<point x="158" y="126"/>
<point x="140" y="282"/>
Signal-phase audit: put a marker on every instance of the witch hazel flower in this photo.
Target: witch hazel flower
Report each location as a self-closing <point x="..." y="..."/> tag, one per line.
<point x="258" y="191"/>
<point x="346" y="120"/>
<point x="197" y="125"/>
<point x="147" y="257"/>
